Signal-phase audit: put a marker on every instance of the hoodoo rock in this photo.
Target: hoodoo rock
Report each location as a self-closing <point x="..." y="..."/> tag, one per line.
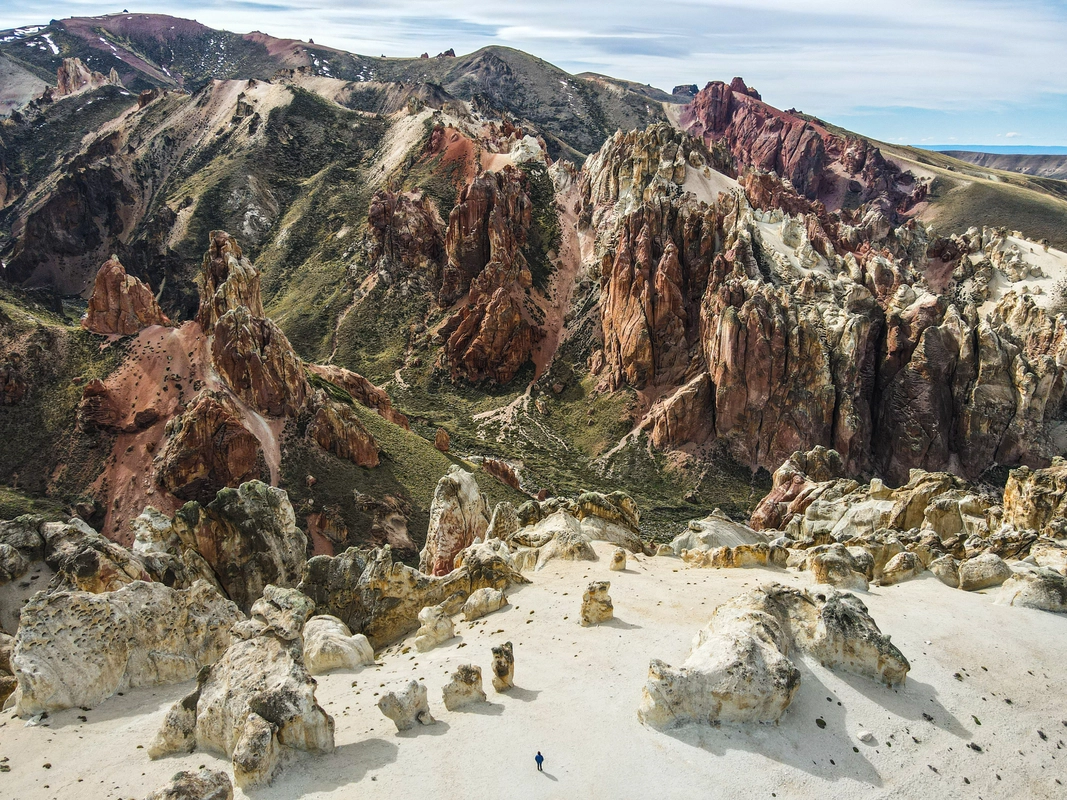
<point x="407" y="706"/>
<point x="459" y="514"/>
<point x="256" y="704"/>
<point x="596" y="604"/>
<point x="503" y="667"/>
<point x="120" y="303"/>
<point x="208" y="448"/>
<point x="738" y="670"/>
<point x="78" y="649"/>
<point x="464" y="688"/>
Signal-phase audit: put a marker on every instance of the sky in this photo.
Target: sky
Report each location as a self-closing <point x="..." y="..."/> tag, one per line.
<point x="914" y="71"/>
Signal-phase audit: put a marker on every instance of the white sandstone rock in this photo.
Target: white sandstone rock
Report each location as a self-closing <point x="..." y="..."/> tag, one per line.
<point x="207" y="784"/>
<point x="436" y="627"/>
<point x="1041" y="588"/>
<point x="464" y="688"/>
<point x="596" y="604"/>
<point x="407" y="706"/>
<point x="330" y="645"/>
<point x="503" y="667"/>
<point x="983" y="571"/>
<point x="618" y="560"/>
<point x="482" y="602"/>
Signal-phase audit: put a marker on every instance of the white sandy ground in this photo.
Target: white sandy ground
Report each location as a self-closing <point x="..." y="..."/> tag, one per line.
<point x="576" y="695"/>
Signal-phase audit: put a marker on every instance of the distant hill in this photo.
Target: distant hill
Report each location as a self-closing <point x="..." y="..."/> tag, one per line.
<point x="1044" y="166"/>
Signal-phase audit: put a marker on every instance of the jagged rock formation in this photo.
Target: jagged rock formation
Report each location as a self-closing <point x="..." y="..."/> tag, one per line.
<point x="257" y="703"/>
<point x="435" y="627"/>
<point x="596" y="604"/>
<point x="819" y="164"/>
<point x="249" y="538"/>
<point x="78" y="649"/>
<point x="362" y="391"/>
<point x="491" y="335"/>
<point x="459" y="514"/>
<point x="208" y="448"/>
<point x="206" y="784"/>
<point x="406" y="246"/>
<point x="738" y="670"/>
<point x="330" y="645"/>
<point x="382" y="599"/>
<point x="337" y="429"/>
<point x="73" y="77"/>
<point x="464" y="688"/>
<point x="120" y="303"/>
<point x="407" y="706"/>
<point x="503" y="667"/>
<point x="1033" y="499"/>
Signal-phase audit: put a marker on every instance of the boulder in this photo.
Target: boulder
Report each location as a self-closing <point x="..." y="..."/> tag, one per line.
<point x="482" y="602"/>
<point x="715" y="530"/>
<point x="618" y="560"/>
<point x="947" y="571"/>
<point x="330" y="645"/>
<point x="442" y="440"/>
<point x="503" y="667"/>
<point x="78" y="649"/>
<point x="982" y="572"/>
<point x="567" y="546"/>
<point x="256" y="704"/>
<point x="121" y="304"/>
<point x="207" y="784"/>
<point x="464" y="688"/>
<point x="738" y="670"/>
<point x="899" y="568"/>
<point x="1035" y="587"/>
<point x="407" y="706"/>
<point x="458" y="516"/>
<point x="596" y="604"/>
<point x="436" y="627"/>
<point x="1053" y="557"/>
<point x="836" y="566"/>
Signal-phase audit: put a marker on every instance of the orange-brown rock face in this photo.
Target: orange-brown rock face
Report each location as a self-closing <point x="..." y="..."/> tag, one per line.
<point x="228" y="281"/>
<point x="73" y="77"/>
<point x="208" y="448"/>
<point x="337" y="429"/>
<point x="491" y="336"/>
<point x="406" y="240"/>
<point x="257" y="362"/>
<point x="793" y="485"/>
<point x="363" y="392"/>
<point x="121" y="303"/>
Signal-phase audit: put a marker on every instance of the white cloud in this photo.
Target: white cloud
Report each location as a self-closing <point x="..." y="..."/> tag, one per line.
<point x="1012" y="135"/>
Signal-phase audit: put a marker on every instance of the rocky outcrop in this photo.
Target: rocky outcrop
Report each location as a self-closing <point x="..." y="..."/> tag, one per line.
<point x="257" y="703"/>
<point x="738" y="670"/>
<point x="249" y="538"/>
<point x="208" y="448"/>
<point x="464" y="688"/>
<point x="362" y="391"/>
<point x="336" y="429"/>
<point x="1033" y="499"/>
<point x="382" y="599"/>
<point x="715" y="530"/>
<point x="459" y="514"/>
<point x="407" y="706"/>
<point x="206" y="784"/>
<point x="406" y="246"/>
<point x="596" y="604"/>
<point x="435" y="627"/>
<point x="491" y="335"/>
<point x="228" y="281"/>
<point x="73" y="77"/>
<point x="740" y="557"/>
<point x="836" y="566"/>
<point x="78" y="649"/>
<point x="121" y="304"/>
<point x="792" y="486"/>
<point x="503" y="667"/>
<point x="257" y="362"/>
<point x="330" y="645"/>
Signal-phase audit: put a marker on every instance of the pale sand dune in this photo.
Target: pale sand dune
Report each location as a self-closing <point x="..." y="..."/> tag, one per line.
<point x="577" y="692"/>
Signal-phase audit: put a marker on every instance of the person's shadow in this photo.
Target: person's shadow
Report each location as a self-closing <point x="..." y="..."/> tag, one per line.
<point x="549" y="775"/>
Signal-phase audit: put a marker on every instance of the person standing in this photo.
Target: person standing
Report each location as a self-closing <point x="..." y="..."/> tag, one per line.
<point x="540" y="759"/>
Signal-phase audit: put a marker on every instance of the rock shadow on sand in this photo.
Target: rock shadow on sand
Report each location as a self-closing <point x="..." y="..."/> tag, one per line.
<point x="347" y="765"/>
